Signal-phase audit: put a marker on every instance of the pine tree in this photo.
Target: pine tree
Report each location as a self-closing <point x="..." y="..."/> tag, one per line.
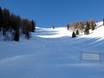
<point x="1" y="18"/>
<point x="92" y="25"/>
<point x="27" y="28"/>
<point x="5" y="22"/>
<point x="77" y="32"/>
<point x="82" y="25"/>
<point x="6" y="17"/>
<point x="33" y="26"/>
<point x="73" y="35"/>
<point x="16" y="36"/>
<point x="86" y="32"/>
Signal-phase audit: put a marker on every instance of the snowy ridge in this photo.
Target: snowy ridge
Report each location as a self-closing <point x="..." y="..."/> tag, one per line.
<point x="52" y="53"/>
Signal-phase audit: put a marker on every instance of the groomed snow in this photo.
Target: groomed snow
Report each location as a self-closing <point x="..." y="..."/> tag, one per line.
<point x="55" y="33"/>
<point x="52" y="53"/>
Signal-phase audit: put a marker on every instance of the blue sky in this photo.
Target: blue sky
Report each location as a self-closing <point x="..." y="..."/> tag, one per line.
<point x="56" y="12"/>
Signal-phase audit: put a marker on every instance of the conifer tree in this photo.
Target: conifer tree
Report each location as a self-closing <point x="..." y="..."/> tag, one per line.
<point x="92" y="25"/>
<point x="0" y="18"/>
<point x="73" y="35"/>
<point x="86" y="32"/>
<point x="16" y="35"/>
<point x="33" y="26"/>
<point x="27" y="28"/>
<point x="77" y="32"/>
<point x="6" y="16"/>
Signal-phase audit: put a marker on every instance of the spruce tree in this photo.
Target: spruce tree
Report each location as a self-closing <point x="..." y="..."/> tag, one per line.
<point x="86" y="32"/>
<point x="6" y="17"/>
<point x="27" y="28"/>
<point x="16" y="36"/>
<point x="77" y="32"/>
<point x="33" y="26"/>
<point x="0" y="18"/>
<point x="73" y="35"/>
<point x="93" y="27"/>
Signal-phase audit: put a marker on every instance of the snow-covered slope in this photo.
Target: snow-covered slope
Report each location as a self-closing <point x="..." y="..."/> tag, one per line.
<point x="52" y="53"/>
<point x="98" y="32"/>
<point x="54" y="33"/>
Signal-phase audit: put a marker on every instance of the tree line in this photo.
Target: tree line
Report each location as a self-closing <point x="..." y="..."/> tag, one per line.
<point x="82" y="27"/>
<point x="13" y="26"/>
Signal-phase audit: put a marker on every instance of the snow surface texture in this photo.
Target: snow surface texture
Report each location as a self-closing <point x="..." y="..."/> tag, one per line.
<point x="52" y="53"/>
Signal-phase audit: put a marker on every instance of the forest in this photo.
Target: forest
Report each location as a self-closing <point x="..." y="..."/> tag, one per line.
<point x="12" y="27"/>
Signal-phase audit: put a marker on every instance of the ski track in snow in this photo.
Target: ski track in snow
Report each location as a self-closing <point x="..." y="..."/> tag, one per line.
<point x="52" y="53"/>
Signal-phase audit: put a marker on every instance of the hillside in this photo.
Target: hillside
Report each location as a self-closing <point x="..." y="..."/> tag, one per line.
<point x="52" y="53"/>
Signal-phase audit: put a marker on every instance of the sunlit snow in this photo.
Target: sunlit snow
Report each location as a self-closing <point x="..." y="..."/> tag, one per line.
<point x="52" y="53"/>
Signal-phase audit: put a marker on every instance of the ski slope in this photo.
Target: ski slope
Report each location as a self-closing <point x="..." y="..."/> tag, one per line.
<point x="52" y="53"/>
